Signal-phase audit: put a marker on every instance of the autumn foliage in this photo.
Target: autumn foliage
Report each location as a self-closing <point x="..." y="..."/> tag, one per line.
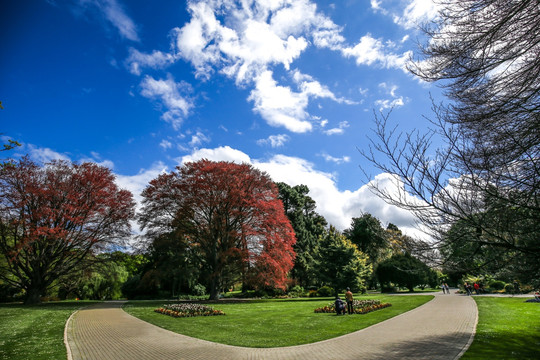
<point x="230" y="215"/>
<point x="53" y="217"/>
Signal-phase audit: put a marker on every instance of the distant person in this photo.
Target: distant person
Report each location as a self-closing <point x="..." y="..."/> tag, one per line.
<point x="447" y="288"/>
<point x="467" y="289"/>
<point x="477" y="288"/>
<point x="349" y="299"/>
<point x="340" y="306"/>
<point x="443" y="289"/>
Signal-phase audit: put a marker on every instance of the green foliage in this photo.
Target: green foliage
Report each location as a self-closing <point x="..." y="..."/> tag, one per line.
<point x="405" y="270"/>
<point x="340" y="264"/>
<point x="497" y="285"/>
<point x="308" y="225"/>
<point x="325" y="291"/>
<point x="369" y="237"/>
<point x="199" y="290"/>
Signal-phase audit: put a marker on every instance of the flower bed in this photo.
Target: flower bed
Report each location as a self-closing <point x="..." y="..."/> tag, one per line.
<point x="359" y="307"/>
<point x="188" y="310"/>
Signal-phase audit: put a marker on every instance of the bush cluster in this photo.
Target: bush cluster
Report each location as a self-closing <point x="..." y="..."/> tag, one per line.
<point x="188" y="310"/>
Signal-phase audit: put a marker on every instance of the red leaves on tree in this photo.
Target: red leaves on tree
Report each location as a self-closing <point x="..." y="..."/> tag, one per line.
<point x="231" y="213"/>
<point x="53" y="216"/>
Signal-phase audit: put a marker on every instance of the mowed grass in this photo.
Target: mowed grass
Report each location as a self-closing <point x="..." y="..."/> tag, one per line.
<point x="508" y="328"/>
<point x="273" y="323"/>
<point x="34" y="332"/>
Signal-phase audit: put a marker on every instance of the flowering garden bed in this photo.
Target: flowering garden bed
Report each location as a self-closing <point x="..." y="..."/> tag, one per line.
<point x="188" y="310"/>
<point x="359" y="307"/>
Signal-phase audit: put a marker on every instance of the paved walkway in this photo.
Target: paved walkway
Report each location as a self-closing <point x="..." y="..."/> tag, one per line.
<point x="440" y="329"/>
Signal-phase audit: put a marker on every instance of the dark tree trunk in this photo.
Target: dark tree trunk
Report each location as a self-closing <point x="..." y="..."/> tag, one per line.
<point x="33" y="296"/>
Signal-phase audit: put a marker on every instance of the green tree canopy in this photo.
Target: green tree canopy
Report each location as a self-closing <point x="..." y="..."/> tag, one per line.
<point x="404" y="270"/>
<point x="369" y="236"/>
<point x="308" y="225"/>
<point x="340" y="264"/>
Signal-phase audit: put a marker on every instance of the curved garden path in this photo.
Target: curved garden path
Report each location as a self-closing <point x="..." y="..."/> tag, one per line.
<point x="443" y="328"/>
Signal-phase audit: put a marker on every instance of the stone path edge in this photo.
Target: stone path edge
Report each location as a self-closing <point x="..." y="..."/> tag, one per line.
<point x="471" y="338"/>
<point x="66" y="329"/>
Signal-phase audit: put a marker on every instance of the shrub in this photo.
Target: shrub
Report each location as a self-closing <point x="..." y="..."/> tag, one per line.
<point x="509" y="288"/>
<point x="325" y="291"/>
<point x="297" y="291"/>
<point x="199" y="290"/>
<point x="497" y="285"/>
<point x="313" y="293"/>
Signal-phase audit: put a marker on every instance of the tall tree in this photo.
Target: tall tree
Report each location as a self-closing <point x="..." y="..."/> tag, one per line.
<point x="404" y="270"/>
<point x="369" y="236"/>
<point x="340" y="264"/>
<point x="52" y="217"/>
<point x="486" y="176"/>
<point x="228" y="212"/>
<point x="308" y="226"/>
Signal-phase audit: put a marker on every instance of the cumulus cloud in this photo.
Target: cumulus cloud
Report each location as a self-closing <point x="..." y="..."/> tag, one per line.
<point x="173" y="96"/>
<point x="279" y="105"/>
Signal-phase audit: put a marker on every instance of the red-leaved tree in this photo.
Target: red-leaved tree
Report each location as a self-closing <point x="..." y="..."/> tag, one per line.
<point x="228" y="213"/>
<point x="53" y="217"/>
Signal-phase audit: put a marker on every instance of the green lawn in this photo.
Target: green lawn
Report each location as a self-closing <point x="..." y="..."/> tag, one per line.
<point x="34" y="332"/>
<point x="508" y="328"/>
<point x="273" y="323"/>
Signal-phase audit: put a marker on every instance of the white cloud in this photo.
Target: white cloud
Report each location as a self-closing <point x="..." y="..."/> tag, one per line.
<point x="114" y="13"/>
<point x="339" y="130"/>
<point x="223" y="153"/>
<point x="395" y="101"/>
<point x="275" y="141"/>
<point x="341" y="160"/>
<point x="371" y="51"/>
<point x="165" y="144"/>
<point x="198" y="138"/>
<point x="155" y="60"/>
<point x="45" y="155"/>
<point x="279" y="105"/>
<point x="416" y="13"/>
<point x="173" y="96"/>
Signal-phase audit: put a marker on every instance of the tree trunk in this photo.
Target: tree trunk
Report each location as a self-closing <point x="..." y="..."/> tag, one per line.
<point x="33" y="296"/>
<point x="214" y="290"/>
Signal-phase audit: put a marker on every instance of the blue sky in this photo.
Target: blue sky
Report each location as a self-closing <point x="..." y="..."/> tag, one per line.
<point x="288" y="86"/>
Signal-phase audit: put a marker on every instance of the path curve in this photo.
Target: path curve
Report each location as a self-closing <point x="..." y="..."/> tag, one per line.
<point x="442" y="328"/>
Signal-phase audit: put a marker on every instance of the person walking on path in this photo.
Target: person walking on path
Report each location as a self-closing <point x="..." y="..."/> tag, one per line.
<point x="349" y="299"/>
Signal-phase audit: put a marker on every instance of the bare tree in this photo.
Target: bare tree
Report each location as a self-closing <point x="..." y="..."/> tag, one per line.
<point x="486" y="176"/>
